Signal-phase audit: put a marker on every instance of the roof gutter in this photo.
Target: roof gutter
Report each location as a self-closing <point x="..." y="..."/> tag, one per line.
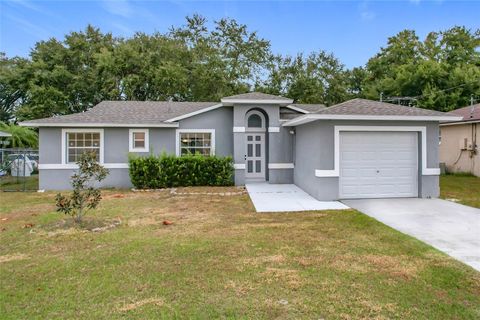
<point x="313" y="117"/>
<point x="459" y="122"/>
<point x="99" y="125"/>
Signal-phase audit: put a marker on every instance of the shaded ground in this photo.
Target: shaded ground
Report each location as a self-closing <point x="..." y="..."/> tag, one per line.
<point x="463" y="188"/>
<point x="9" y="183"/>
<point x="219" y="259"/>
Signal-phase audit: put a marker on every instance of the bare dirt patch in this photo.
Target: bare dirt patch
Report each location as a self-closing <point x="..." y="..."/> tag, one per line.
<point x="13" y="257"/>
<point x="257" y="261"/>
<point x="397" y="266"/>
<point x="240" y="289"/>
<point x="143" y="221"/>
<point x="290" y="276"/>
<point x="137" y="304"/>
<point x="26" y="213"/>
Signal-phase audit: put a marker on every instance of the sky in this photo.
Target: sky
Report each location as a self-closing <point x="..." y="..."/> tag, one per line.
<point x="353" y="30"/>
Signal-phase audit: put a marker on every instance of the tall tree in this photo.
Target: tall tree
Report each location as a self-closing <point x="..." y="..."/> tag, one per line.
<point x="316" y="78"/>
<point x="13" y="88"/>
<point x="62" y="76"/>
<point x="441" y="72"/>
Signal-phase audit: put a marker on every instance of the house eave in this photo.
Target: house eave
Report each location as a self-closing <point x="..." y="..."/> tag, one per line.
<point x="295" y="108"/>
<point x="191" y="114"/>
<point x="313" y="117"/>
<point x="231" y="102"/>
<point x="457" y="123"/>
<point x="99" y="125"/>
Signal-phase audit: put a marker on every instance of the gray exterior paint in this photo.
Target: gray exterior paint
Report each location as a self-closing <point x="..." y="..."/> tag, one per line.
<point x="59" y="179"/>
<point x="310" y="148"/>
<point x="314" y="144"/>
<point x="219" y="119"/>
<point x="116" y="147"/>
<point x="278" y="144"/>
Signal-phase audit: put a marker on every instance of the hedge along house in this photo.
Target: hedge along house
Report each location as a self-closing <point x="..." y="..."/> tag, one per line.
<point x="356" y="149"/>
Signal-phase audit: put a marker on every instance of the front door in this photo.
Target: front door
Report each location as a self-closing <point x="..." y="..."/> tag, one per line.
<point x="255" y="156"/>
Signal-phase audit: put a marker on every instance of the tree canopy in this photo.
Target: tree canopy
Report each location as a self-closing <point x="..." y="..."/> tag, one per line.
<point x="195" y="62"/>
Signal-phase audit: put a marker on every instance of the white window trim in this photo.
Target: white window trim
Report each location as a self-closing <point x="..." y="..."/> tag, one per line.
<point x="64" y="143"/>
<point x="179" y="131"/>
<point x="131" y="147"/>
<point x="239" y="166"/>
<point x="70" y="166"/>
<point x="335" y="172"/>
<point x="255" y="129"/>
<point x="238" y="129"/>
<point x="281" y="166"/>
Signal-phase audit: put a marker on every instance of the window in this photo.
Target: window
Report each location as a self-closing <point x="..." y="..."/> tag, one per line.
<point x="79" y="142"/>
<point x="138" y="140"/>
<point x="254" y="121"/>
<point x="195" y="141"/>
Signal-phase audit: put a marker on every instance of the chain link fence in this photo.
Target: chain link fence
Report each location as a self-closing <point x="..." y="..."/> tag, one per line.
<point x="18" y="169"/>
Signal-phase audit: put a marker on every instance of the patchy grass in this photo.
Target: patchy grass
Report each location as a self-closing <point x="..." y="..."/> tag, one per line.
<point x="219" y="259"/>
<point x="461" y="187"/>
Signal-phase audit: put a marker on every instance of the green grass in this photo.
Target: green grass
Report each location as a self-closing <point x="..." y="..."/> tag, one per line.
<point x="219" y="259"/>
<point x="9" y="183"/>
<point x="462" y="187"/>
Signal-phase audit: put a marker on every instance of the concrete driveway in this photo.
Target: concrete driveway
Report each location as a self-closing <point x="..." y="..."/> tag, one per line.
<point x="450" y="227"/>
<point x="268" y="197"/>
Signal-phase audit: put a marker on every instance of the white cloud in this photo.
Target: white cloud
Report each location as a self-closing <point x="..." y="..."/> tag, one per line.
<point x="118" y="7"/>
<point x="38" y="32"/>
<point x="365" y="13"/>
<point x="30" y="5"/>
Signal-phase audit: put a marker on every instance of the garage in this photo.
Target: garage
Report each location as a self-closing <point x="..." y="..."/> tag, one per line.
<point x="378" y="164"/>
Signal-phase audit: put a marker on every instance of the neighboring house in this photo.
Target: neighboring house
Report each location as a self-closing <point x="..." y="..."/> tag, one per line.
<point x="356" y="149"/>
<point x="459" y="141"/>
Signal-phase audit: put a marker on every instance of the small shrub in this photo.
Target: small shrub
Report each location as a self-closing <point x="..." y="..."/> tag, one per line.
<point x="165" y="171"/>
<point x="84" y="196"/>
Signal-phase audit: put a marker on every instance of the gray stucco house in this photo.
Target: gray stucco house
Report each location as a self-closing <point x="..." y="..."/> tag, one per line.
<point x="356" y="149"/>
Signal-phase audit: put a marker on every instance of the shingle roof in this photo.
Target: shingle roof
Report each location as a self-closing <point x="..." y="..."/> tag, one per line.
<point x="309" y="107"/>
<point x="129" y="112"/>
<point x="369" y="107"/>
<point x="255" y="96"/>
<point x="470" y="113"/>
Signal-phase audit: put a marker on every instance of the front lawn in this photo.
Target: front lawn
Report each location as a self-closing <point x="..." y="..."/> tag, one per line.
<point x="464" y="189"/>
<point x="219" y="259"/>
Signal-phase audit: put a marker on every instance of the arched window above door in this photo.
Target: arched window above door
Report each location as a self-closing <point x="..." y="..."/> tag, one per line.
<point x="254" y="121"/>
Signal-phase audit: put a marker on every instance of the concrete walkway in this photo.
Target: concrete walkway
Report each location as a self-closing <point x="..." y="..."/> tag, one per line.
<point x="286" y="197"/>
<point x="450" y="227"/>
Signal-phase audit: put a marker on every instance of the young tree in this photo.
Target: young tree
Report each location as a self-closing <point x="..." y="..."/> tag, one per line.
<point x="84" y="196"/>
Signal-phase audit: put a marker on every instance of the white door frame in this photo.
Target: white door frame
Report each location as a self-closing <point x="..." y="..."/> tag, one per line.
<point x="415" y="184"/>
<point x="255" y="155"/>
<point x="426" y="171"/>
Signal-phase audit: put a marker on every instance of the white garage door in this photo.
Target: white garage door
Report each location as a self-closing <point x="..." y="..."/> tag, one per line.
<point x="378" y="164"/>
